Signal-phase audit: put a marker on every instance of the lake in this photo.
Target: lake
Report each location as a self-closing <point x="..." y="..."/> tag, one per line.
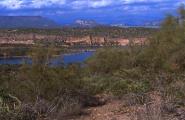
<point x="66" y="59"/>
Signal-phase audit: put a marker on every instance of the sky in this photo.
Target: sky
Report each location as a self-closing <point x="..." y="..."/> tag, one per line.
<point x="102" y="11"/>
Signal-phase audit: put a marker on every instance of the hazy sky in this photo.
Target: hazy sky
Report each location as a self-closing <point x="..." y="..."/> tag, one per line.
<point x="103" y="11"/>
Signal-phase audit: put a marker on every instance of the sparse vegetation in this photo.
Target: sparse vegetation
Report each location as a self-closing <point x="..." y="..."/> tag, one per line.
<point x="96" y="31"/>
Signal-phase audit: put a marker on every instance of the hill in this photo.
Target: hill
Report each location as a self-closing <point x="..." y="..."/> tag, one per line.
<point x="26" y="22"/>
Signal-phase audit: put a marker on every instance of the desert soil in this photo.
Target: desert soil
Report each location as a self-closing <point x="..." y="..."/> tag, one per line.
<point x="112" y="110"/>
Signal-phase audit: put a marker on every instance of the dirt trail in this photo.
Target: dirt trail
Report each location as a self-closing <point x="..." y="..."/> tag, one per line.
<point x="116" y="109"/>
<point x="113" y="110"/>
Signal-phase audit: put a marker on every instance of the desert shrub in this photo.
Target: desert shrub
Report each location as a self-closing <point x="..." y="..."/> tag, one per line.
<point x="150" y="109"/>
<point x="8" y="102"/>
<point x="133" y="99"/>
<point x="25" y="112"/>
<point x="69" y="107"/>
<point x="157" y="64"/>
<point x="61" y="107"/>
<point x="47" y="82"/>
<point x="165" y="50"/>
<point x="11" y="108"/>
<point x="110" y="60"/>
<point x="176" y="89"/>
<point x="7" y="115"/>
<point x="129" y="73"/>
<point x="41" y="80"/>
<point x="148" y="112"/>
<point x="126" y="86"/>
<point x="169" y="103"/>
<point x="115" y="85"/>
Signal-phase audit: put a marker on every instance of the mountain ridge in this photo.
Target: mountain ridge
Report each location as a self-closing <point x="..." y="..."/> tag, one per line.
<point x="27" y="22"/>
<point x="13" y="22"/>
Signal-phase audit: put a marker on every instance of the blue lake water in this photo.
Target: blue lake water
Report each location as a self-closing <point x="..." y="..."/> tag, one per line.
<point x="66" y="59"/>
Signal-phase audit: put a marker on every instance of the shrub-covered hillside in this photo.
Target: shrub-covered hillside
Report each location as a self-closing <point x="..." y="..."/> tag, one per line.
<point x="96" y="31"/>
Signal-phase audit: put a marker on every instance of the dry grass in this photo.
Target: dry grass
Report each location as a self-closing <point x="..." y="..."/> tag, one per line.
<point x="150" y="110"/>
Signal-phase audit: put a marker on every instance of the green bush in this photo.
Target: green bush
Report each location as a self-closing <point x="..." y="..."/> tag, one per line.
<point x="115" y="85"/>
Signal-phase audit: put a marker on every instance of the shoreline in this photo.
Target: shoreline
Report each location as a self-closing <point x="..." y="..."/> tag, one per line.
<point x="66" y="53"/>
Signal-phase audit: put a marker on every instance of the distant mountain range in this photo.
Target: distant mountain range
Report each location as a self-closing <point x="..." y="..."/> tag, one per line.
<point x="146" y="24"/>
<point x="42" y="22"/>
<point x="26" y="22"/>
<point x="92" y="23"/>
